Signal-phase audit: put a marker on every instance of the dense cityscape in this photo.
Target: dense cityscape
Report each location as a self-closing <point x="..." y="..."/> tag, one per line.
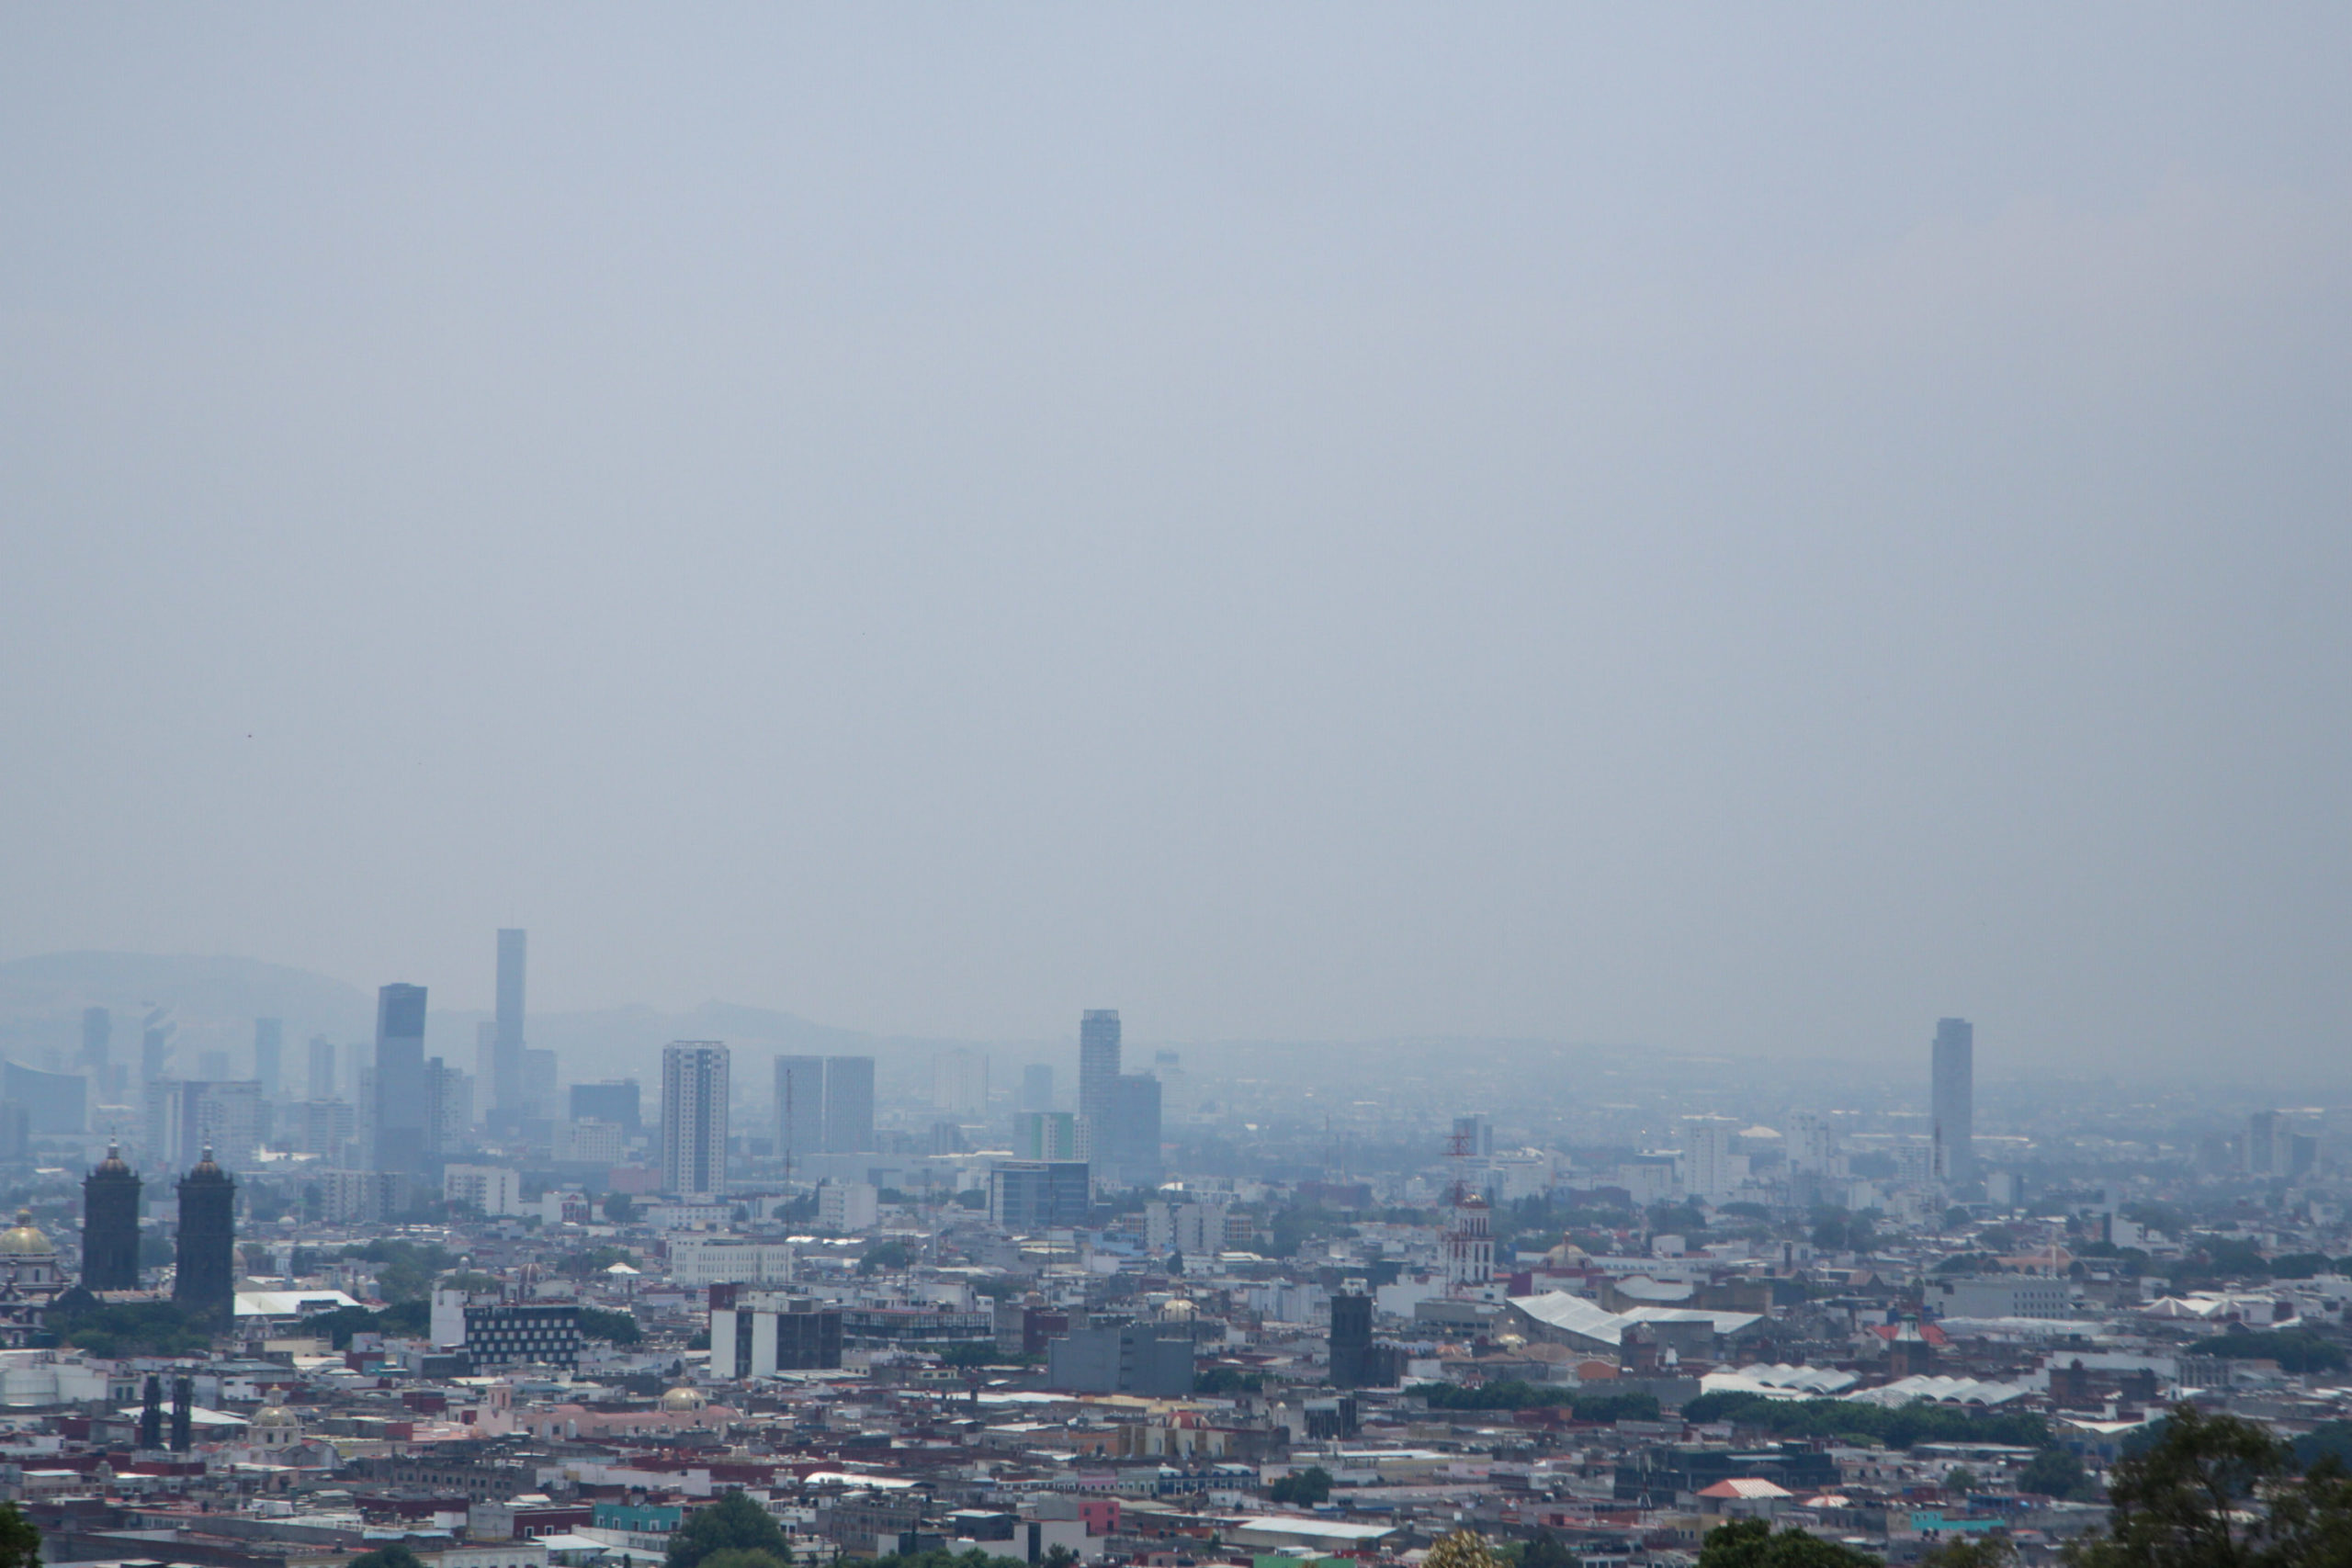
<point x="290" y="1309"/>
<point x="1208" y="786"/>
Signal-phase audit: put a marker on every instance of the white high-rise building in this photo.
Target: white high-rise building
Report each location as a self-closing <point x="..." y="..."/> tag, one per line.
<point x="693" y="1118"/>
<point x="1707" y="1170"/>
<point x="492" y="1189"/>
<point x="1812" y="1146"/>
<point x="848" y="1206"/>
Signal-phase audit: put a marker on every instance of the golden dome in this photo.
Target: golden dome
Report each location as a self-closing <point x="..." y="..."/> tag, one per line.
<point x="273" y="1414"/>
<point x="683" y="1398"/>
<point x="24" y="1240"/>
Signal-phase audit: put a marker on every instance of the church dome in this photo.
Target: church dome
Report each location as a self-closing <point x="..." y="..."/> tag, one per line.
<point x="24" y="1240"/>
<point x="683" y="1398"/>
<point x="206" y="1169"/>
<point x="113" y="1163"/>
<point x="273" y="1414"/>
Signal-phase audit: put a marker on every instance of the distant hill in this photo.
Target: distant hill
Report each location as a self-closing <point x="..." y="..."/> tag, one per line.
<point x="213" y="1001"/>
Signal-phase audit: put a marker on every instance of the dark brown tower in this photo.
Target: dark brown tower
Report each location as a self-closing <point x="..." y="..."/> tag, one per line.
<point x="111" y="1225"/>
<point x="206" y="1283"/>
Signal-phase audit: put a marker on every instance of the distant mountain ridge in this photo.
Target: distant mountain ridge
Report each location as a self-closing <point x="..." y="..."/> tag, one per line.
<point x="214" y="1001"/>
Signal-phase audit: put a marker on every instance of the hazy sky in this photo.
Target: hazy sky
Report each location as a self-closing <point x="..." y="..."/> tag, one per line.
<point x="1738" y="529"/>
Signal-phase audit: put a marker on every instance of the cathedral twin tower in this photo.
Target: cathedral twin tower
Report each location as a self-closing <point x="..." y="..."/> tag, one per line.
<point x="206" y="1285"/>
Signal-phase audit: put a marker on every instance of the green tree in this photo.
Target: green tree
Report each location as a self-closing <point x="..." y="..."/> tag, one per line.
<point x="337" y="1326"/>
<point x="975" y="1558"/>
<point x="127" y="1329"/>
<point x="736" y="1557"/>
<point x="408" y="1268"/>
<point x="2295" y="1350"/>
<point x="2055" y="1473"/>
<point x="1545" y="1549"/>
<point x="1303" y="1488"/>
<point x="1062" y="1557"/>
<point x="1960" y="1478"/>
<point x="618" y="1327"/>
<point x="406" y="1319"/>
<point x="1842" y="1230"/>
<point x="734" y="1523"/>
<point x="396" y="1555"/>
<point x="1220" y="1381"/>
<point x="889" y="1255"/>
<point x="594" y="1260"/>
<point x="618" y="1208"/>
<point x="19" y="1540"/>
<point x="2174" y="1500"/>
<point x="1971" y="1551"/>
<point x="1918" y="1422"/>
<point x="1750" y="1543"/>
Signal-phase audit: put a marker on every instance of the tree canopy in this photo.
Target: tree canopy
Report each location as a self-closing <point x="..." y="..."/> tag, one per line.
<point x="127" y="1329"/>
<point x="1751" y="1543"/>
<point x="2218" y="1491"/>
<point x="396" y="1555"/>
<point x="734" y="1523"/>
<point x="2295" y="1350"/>
<point x="975" y="1558"/>
<point x="19" y="1539"/>
<point x="1920" y="1422"/>
<point x="1303" y="1488"/>
<point x="618" y="1327"/>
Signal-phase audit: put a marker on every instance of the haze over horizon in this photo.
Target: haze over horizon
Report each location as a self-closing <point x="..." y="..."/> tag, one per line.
<point x="1301" y="525"/>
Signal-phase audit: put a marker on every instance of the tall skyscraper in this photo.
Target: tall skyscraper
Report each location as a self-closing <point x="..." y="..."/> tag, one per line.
<point x="799" y="1106"/>
<point x="1952" y="1108"/>
<point x="402" y="1098"/>
<point x="2262" y="1144"/>
<point x="111" y="1225"/>
<point x="269" y="1055"/>
<point x="542" y="1087"/>
<point x="1098" y="1083"/>
<point x="449" y="1114"/>
<point x="1352" y="1336"/>
<point x="97" y="1041"/>
<point x="1135" y="1131"/>
<point x="206" y="1284"/>
<point x="1706" y="1160"/>
<point x="510" y="1091"/>
<point x="694" y="1117"/>
<point x="959" y="1081"/>
<point x="849" y="1104"/>
<point x="322" y="1067"/>
<point x="155" y="1044"/>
